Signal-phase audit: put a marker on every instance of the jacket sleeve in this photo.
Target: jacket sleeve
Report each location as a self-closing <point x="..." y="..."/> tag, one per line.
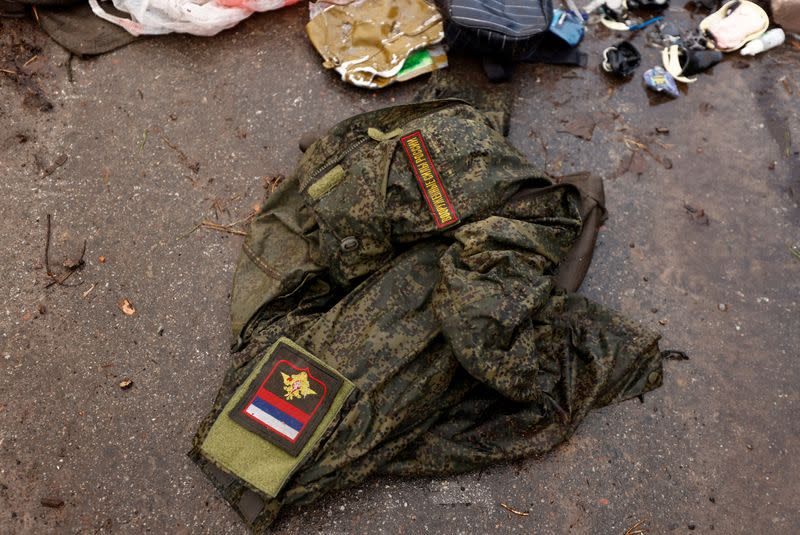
<point x="495" y="290"/>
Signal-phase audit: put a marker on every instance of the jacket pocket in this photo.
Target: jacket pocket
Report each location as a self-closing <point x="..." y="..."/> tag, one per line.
<point x="348" y="200"/>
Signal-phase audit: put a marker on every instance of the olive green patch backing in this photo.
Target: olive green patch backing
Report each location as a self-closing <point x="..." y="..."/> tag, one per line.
<point x="260" y="463"/>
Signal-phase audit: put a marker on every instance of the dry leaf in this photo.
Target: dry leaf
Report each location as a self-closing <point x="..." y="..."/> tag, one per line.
<point x="126" y="307"/>
<point x="581" y="126"/>
<point x="125" y="384"/>
<point x="101" y="259"/>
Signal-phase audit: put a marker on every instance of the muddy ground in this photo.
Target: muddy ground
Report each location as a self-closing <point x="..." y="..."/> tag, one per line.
<point x="131" y="150"/>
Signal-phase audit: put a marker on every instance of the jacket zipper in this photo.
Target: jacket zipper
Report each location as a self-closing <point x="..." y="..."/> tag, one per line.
<point x="330" y="165"/>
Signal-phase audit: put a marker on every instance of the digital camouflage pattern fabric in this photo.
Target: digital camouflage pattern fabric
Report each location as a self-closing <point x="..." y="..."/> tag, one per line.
<point x="461" y="348"/>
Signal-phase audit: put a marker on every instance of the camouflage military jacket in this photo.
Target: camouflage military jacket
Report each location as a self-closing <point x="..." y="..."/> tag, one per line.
<point x="398" y="313"/>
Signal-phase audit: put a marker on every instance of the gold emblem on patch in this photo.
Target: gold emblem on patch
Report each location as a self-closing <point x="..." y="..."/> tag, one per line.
<point x="296" y="385"/>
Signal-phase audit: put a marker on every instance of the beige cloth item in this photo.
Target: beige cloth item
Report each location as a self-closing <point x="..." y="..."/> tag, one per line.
<point x="367" y="41"/>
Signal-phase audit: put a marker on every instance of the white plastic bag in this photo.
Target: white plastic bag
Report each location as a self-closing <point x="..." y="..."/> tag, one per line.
<point x="197" y="17"/>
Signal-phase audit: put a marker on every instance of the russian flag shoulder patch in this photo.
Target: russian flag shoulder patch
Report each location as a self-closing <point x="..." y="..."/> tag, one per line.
<point x="288" y="398"/>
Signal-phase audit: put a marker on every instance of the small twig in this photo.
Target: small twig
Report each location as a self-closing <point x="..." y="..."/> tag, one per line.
<point x="795" y="252"/>
<point x="106" y="180"/>
<point x="70" y="77"/>
<point x="218" y="208"/>
<point x="637" y="529"/>
<point x="272" y="182"/>
<point x="186" y="235"/>
<point x="665" y="146"/>
<point x="143" y="141"/>
<point x="194" y="167"/>
<point x="36" y="15"/>
<point x="34" y="58"/>
<point x="89" y="290"/>
<point x="15" y="73"/>
<point x="170" y="145"/>
<point x="229" y="228"/>
<point x="210" y="225"/>
<point x="633" y="144"/>
<point x="510" y="510"/>
<point x="47" y="250"/>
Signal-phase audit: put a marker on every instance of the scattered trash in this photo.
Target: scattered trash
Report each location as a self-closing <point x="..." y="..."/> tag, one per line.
<point x="514" y="511"/>
<point x="126" y="307"/>
<point x="771" y="39"/>
<point x="125" y="384"/>
<point x="616" y="17"/>
<point x="654" y="5"/>
<point x="530" y="32"/>
<point x="643" y="25"/>
<point x="197" y="17"/>
<point x="681" y="62"/>
<point x="53" y="502"/>
<point x="734" y="24"/>
<point x="661" y="81"/>
<point x="369" y="51"/>
<point x="567" y="26"/>
<point x="621" y="59"/>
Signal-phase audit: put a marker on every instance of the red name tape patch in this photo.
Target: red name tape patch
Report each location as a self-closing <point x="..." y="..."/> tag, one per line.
<point x="428" y="179"/>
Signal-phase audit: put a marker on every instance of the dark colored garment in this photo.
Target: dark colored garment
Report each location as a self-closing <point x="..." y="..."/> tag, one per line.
<point x="72" y="24"/>
<point x="80" y="31"/>
<point x="621" y="59"/>
<point x="502" y="33"/>
<point x="440" y="306"/>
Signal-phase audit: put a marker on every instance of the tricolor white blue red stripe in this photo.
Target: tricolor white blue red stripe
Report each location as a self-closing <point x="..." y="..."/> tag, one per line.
<point x="275" y="413"/>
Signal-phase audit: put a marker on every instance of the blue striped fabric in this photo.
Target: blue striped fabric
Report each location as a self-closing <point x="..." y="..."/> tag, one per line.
<point x="514" y="18"/>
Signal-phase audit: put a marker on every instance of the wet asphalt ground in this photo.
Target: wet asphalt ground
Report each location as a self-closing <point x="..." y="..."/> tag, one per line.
<point x="146" y="142"/>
